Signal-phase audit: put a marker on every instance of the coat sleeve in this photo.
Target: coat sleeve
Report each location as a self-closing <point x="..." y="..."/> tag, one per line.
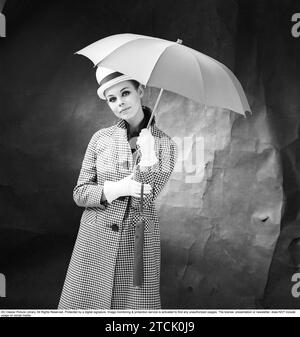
<point x="157" y="175"/>
<point x="87" y="192"/>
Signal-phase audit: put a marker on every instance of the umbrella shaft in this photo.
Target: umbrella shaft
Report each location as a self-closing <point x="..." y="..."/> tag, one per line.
<point x="155" y="107"/>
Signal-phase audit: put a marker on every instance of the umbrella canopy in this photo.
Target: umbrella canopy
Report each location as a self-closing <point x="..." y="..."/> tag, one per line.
<point x="172" y="66"/>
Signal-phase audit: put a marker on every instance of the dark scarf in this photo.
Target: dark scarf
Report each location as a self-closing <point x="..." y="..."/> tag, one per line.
<point x="132" y="136"/>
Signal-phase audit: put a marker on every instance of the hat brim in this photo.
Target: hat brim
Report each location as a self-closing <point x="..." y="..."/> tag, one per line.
<point x="110" y="83"/>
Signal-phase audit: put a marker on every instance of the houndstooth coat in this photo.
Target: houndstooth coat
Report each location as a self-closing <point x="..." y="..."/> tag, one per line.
<point x="100" y="272"/>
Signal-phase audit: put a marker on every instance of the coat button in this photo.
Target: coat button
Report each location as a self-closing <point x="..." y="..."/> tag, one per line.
<point x="115" y="227"/>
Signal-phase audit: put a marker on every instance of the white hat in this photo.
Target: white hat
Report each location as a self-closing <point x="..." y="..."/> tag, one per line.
<point x="107" y="78"/>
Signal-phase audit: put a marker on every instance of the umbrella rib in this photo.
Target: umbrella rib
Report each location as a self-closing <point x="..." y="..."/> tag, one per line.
<point x="115" y="50"/>
<point x="202" y="82"/>
<point x="159" y="59"/>
<point x="192" y="59"/>
<point x="226" y="71"/>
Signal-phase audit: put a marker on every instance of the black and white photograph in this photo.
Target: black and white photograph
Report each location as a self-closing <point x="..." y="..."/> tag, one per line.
<point x="150" y="157"/>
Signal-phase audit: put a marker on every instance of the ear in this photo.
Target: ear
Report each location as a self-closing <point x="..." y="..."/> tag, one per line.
<point x="141" y="90"/>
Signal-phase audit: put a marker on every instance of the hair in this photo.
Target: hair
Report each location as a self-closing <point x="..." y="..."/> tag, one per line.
<point x="135" y="83"/>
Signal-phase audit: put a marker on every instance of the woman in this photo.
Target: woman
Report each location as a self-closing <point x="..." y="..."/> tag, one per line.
<point x="100" y="274"/>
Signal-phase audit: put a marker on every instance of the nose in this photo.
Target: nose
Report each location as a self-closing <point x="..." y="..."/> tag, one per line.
<point x="121" y="103"/>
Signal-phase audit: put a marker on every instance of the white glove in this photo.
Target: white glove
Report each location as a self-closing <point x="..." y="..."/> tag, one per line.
<point x="146" y="143"/>
<point x="124" y="187"/>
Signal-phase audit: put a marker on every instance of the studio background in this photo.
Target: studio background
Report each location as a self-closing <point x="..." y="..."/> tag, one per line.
<point x="230" y="226"/>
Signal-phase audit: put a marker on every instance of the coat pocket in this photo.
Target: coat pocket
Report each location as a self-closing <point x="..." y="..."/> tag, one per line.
<point x="149" y="223"/>
<point x="89" y="215"/>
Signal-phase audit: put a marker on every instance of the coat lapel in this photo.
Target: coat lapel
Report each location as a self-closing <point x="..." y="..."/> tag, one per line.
<point x="124" y="155"/>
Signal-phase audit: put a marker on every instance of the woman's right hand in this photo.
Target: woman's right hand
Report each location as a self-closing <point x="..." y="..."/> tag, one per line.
<point x="124" y="187"/>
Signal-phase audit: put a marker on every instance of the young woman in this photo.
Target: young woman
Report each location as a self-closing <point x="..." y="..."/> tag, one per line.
<point x="100" y="274"/>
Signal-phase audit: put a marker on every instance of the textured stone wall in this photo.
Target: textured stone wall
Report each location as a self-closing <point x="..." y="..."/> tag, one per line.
<point x="235" y="189"/>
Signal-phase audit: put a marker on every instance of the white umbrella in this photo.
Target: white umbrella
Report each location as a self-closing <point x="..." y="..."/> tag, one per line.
<point x="172" y="66"/>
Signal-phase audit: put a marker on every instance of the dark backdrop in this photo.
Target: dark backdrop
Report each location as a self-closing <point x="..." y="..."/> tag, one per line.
<point x="43" y="135"/>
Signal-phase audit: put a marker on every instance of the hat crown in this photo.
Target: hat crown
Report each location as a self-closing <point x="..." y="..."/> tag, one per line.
<point x="107" y="78"/>
<point x="102" y="72"/>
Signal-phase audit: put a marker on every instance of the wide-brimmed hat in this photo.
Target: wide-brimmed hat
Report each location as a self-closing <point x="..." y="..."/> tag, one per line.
<point x="106" y="78"/>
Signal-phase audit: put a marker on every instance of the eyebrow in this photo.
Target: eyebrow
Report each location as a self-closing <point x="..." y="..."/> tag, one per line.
<point x="120" y="91"/>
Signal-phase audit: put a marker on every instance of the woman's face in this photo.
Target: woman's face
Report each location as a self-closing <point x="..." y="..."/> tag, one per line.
<point x="125" y="101"/>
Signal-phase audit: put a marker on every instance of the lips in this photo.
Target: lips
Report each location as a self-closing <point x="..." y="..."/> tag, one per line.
<point x="124" y="111"/>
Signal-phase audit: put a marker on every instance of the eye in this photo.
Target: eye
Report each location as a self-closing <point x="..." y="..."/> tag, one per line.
<point x="111" y="99"/>
<point x="125" y="93"/>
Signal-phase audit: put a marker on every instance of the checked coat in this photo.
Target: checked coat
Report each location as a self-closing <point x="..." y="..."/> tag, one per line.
<point x="100" y="272"/>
